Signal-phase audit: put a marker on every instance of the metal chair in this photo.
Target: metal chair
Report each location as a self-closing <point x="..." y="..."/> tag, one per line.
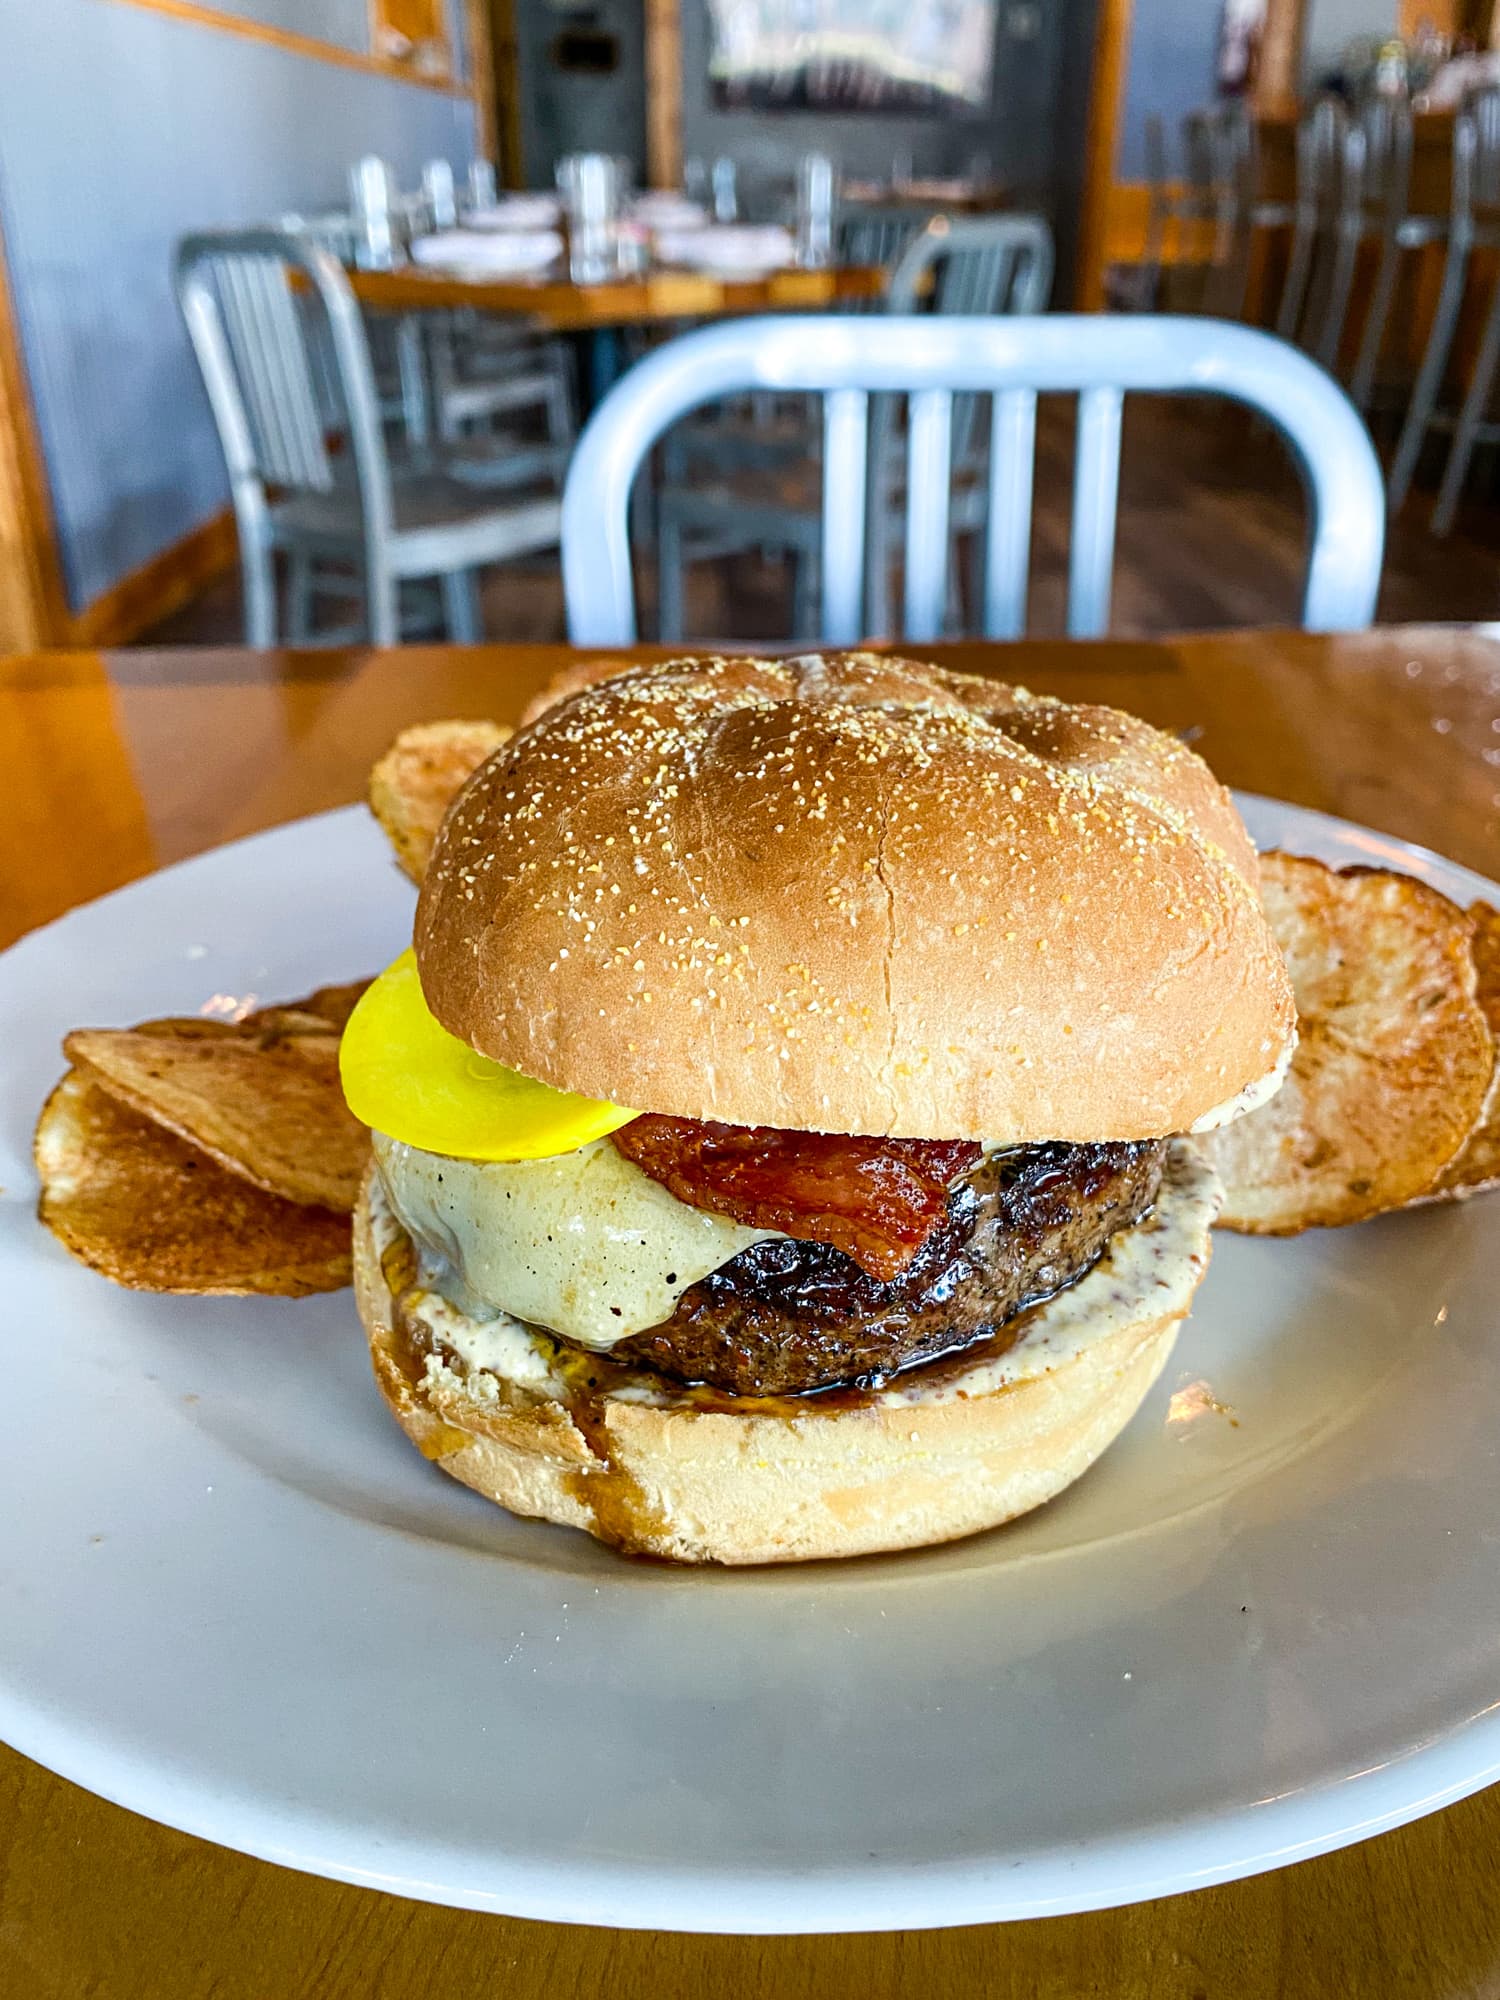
<point x="930" y="359"/>
<point x="979" y="265"/>
<point x="293" y="394"/>
<point x="1474" y="224"/>
<point x="1320" y="155"/>
<point x="1373" y="202"/>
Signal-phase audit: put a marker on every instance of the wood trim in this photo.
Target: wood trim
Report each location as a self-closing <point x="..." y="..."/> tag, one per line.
<point x="664" y="93"/>
<point x="480" y="56"/>
<point x="1100" y="146"/>
<point x="505" y="55"/>
<point x="162" y="585"/>
<point x="1127" y="214"/>
<point x="33" y="598"/>
<point x="295" y="44"/>
<point x="1280" y="69"/>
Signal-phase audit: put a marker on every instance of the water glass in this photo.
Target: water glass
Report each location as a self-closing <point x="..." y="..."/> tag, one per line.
<point x="372" y="192"/>
<point x="439" y="195"/>
<point x="725" y="190"/>
<point x="483" y="192"/>
<point x="815" y="211"/>
<point x="590" y="188"/>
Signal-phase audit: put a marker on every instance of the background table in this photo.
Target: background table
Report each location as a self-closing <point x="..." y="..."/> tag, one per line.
<point x="116" y="766"/>
<point x="563" y="307"/>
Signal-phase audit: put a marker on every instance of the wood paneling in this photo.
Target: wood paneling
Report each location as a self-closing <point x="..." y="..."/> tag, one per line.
<point x="664" y="93"/>
<point x="159" y="587"/>
<point x="1101" y="145"/>
<point x="414" y="35"/>
<point x="301" y="45"/>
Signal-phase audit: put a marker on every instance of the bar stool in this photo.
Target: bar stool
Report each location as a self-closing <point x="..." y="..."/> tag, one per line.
<point x="1374" y="200"/>
<point x="1474" y="223"/>
<point x="1320" y="154"/>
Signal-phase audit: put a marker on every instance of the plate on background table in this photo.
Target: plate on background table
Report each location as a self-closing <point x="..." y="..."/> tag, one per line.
<point x="233" y="1598"/>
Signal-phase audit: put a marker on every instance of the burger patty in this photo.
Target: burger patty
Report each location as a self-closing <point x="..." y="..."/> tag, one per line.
<point x="787" y="1316"/>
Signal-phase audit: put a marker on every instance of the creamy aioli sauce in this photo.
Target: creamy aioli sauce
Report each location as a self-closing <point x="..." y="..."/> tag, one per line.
<point x="1251" y="1098"/>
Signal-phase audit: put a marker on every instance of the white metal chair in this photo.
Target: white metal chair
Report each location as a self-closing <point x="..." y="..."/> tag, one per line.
<point x="931" y="359"/>
<point x="293" y="394"/>
<point x="982" y="265"/>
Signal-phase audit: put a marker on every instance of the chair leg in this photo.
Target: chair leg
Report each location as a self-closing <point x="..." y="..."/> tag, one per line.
<point x="299" y="599"/>
<point x="382" y="600"/>
<point x="1372" y="338"/>
<point x="259" y="589"/>
<point x="804" y="594"/>
<point x="1336" y="307"/>
<point x="669" y="577"/>
<point x="1294" y="291"/>
<point x="1470" y="417"/>
<point x="1428" y="385"/>
<point x="461" y="616"/>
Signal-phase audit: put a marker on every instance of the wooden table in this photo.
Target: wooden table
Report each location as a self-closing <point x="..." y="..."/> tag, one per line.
<point x="117" y="765"/>
<point x="562" y="307"/>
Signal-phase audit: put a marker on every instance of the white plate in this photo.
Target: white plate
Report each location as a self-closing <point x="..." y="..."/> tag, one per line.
<point x="232" y="1597"/>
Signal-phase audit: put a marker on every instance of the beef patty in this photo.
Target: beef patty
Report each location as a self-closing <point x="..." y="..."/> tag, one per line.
<point x="786" y="1316"/>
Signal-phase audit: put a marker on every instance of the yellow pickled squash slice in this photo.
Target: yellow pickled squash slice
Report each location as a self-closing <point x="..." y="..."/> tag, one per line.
<point x="406" y="1076"/>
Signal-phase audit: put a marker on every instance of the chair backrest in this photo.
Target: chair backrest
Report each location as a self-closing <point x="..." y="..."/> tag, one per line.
<point x="976" y="264"/>
<point x="1320" y="154"/>
<point x="969" y="264"/>
<point x="1011" y="359"/>
<point x="286" y="364"/>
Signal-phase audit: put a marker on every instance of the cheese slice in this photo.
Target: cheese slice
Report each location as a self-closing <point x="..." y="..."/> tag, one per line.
<point x="584" y="1243"/>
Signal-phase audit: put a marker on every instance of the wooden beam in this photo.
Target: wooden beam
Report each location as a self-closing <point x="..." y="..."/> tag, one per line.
<point x="506" y="56"/>
<point x="664" y="93"/>
<point x="299" y="45"/>
<point x="33" y="600"/>
<point x="481" y="60"/>
<point x="1100" y="147"/>
<point x="1278" y="79"/>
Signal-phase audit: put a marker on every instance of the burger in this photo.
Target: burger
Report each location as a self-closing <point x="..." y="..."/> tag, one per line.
<point x="783" y="1121"/>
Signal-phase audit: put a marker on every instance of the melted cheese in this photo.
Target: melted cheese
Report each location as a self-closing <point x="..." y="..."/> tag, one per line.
<point x="583" y="1242"/>
<point x="1153" y="1267"/>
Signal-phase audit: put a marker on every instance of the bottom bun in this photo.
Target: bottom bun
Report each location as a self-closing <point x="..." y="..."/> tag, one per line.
<point x="947" y="1450"/>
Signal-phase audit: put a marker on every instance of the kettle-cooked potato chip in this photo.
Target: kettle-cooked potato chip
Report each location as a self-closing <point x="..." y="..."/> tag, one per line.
<point x="417" y="779"/>
<point x="265" y="1104"/>
<point x="145" y="1208"/>
<point x="1394" y="1057"/>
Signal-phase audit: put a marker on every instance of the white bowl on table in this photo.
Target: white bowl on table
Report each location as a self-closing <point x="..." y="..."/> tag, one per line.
<point x="517" y="212"/>
<point x="471" y="253"/>
<point x="728" y="250"/>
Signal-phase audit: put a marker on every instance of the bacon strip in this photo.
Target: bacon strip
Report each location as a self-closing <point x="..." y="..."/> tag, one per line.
<point x="877" y="1200"/>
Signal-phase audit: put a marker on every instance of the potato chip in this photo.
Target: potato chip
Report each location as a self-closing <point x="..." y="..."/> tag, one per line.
<point x="325" y="1012"/>
<point x="266" y="1105"/>
<point x="576" y="675"/>
<point x="137" y="1203"/>
<point x="1393" y="1061"/>
<point x="418" y="778"/>
<point x="1478" y="1165"/>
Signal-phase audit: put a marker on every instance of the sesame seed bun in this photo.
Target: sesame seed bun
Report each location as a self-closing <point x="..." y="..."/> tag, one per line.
<point x="952" y="1449"/>
<point x="853" y="894"/>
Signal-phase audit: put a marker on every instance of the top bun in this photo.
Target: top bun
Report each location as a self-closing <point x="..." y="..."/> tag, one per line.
<point x="847" y="893"/>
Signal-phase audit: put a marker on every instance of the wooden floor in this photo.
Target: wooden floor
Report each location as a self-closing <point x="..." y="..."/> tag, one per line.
<point x="1212" y="533"/>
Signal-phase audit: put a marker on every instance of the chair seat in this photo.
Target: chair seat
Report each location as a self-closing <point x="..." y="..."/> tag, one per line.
<point x="440" y="524"/>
